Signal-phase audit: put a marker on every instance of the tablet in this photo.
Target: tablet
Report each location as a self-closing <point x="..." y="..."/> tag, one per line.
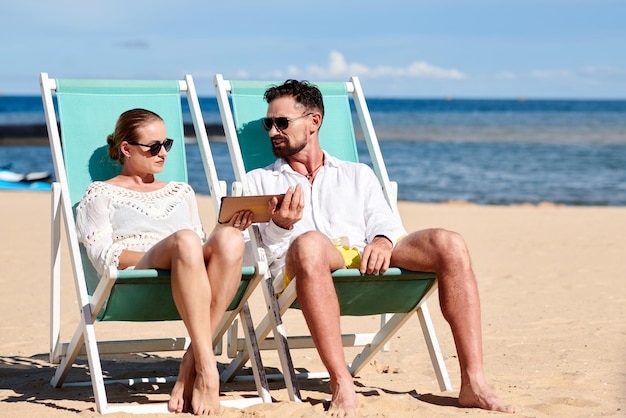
<point x="256" y="204"/>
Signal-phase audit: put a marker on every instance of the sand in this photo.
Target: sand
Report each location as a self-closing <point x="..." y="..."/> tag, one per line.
<point x="553" y="298"/>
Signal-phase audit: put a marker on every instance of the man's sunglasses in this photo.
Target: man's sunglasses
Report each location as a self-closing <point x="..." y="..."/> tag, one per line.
<point x="281" y="123"/>
<point x="156" y="147"/>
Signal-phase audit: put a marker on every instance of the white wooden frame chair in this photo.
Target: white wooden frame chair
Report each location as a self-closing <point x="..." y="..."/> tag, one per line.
<point x="78" y="121"/>
<point x="242" y="106"/>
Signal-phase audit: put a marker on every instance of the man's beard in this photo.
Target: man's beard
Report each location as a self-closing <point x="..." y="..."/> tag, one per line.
<point x="287" y="150"/>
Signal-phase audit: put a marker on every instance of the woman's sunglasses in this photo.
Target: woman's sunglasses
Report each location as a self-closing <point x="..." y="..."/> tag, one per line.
<point x="281" y="123"/>
<point x="156" y="147"/>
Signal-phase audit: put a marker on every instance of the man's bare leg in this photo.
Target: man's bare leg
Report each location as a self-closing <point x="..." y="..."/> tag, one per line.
<point x="310" y="259"/>
<point x="445" y="253"/>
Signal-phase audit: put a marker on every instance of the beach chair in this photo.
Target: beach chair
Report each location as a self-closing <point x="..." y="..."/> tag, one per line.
<point x="396" y="295"/>
<point x="78" y="122"/>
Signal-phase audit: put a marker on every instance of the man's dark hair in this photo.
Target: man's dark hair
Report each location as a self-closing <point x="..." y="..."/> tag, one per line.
<point x="304" y="92"/>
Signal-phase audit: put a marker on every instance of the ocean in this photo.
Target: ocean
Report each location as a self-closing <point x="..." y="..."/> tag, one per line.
<point x="491" y="152"/>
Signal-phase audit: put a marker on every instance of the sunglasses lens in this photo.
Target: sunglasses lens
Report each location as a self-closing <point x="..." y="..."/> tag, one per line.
<point x="154" y="149"/>
<point x="267" y="123"/>
<point x="281" y="123"/>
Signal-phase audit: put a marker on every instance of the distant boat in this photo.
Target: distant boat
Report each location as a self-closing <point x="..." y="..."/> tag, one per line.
<point x="34" y="180"/>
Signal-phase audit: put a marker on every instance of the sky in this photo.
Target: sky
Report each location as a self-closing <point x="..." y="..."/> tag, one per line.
<point x="397" y="48"/>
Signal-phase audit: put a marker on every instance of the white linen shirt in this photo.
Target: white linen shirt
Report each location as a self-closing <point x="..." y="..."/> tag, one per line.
<point x="345" y="202"/>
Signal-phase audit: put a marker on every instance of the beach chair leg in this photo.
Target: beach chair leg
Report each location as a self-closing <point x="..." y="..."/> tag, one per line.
<point x="93" y="358"/>
<point x="260" y="379"/>
<point x="68" y="358"/>
<point x="271" y="322"/>
<point x="240" y="357"/>
<point x="85" y="334"/>
<point x="384" y="318"/>
<point x="55" y="274"/>
<point x="382" y="336"/>
<point x="282" y="345"/>
<point x="233" y="368"/>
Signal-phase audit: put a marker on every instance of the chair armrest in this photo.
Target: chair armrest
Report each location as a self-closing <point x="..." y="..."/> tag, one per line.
<point x="237" y="188"/>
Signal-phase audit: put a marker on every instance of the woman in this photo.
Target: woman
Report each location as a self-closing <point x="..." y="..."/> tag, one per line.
<point x="135" y="220"/>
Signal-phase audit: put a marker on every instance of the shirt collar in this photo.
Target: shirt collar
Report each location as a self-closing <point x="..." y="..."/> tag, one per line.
<point x="282" y="166"/>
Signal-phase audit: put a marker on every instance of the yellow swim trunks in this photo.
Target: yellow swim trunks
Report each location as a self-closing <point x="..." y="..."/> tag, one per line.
<point x="351" y="257"/>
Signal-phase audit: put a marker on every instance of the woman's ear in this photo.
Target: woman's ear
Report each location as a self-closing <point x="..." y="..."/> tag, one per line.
<point x="125" y="149"/>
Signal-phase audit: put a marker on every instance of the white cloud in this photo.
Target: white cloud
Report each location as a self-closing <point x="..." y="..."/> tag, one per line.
<point x="339" y="67"/>
<point x="425" y="70"/>
<point x="293" y="71"/>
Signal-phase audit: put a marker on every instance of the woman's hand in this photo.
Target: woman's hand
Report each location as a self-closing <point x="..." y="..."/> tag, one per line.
<point x="240" y="220"/>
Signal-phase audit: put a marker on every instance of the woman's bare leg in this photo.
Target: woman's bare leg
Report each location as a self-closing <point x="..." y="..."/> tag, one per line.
<point x="180" y="397"/>
<point x="196" y="390"/>
<point x="183" y="254"/>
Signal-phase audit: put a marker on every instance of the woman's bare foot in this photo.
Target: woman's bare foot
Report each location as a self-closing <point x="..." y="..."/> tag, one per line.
<point x="206" y="392"/>
<point x="344" y="401"/>
<point x="482" y="396"/>
<point x="180" y="397"/>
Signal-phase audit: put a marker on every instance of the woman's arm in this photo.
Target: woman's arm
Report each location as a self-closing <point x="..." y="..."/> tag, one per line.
<point x="94" y="229"/>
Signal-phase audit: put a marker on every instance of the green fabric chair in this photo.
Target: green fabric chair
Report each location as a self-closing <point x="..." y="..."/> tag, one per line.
<point x="85" y="113"/>
<point x="397" y="294"/>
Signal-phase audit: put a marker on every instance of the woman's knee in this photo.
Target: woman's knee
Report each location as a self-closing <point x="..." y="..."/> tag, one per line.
<point x="227" y="241"/>
<point x="186" y="243"/>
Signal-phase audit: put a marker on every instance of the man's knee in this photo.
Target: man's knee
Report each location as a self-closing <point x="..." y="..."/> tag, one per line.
<point x="307" y="243"/>
<point x="448" y="239"/>
<point x="308" y="251"/>
<point x="449" y="246"/>
<point x="438" y="242"/>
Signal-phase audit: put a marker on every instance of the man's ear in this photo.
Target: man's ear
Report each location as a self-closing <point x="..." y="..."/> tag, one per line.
<point x="316" y="122"/>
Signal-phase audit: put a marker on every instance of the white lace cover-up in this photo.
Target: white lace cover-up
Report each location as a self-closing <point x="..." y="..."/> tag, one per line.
<point x="110" y="219"/>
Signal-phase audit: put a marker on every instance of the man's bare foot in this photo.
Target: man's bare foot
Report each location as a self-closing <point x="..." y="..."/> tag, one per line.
<point x="483" y="397"/>
<point x="180" y="397"/>
<point x="206" y="392"/>
<point x="344" y="401"/>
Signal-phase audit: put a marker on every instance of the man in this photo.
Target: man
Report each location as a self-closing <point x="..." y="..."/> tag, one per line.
<point x="334" y="215"/>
